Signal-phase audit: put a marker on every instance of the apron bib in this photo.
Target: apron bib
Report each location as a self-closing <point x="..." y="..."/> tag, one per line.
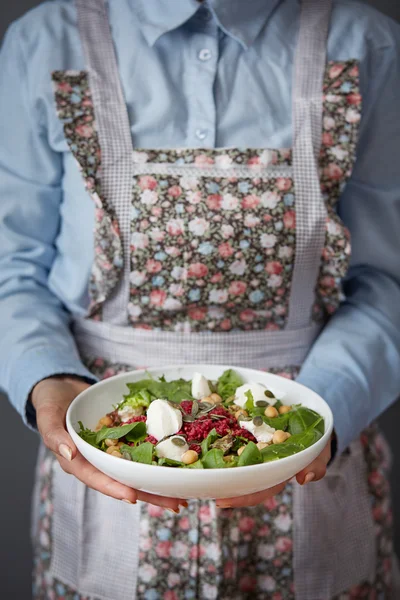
<point x="229" y="256"/>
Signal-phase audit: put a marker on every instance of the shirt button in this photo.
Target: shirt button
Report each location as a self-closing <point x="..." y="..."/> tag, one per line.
<point x="205" y="54"/>
<point x="201" y="134"/>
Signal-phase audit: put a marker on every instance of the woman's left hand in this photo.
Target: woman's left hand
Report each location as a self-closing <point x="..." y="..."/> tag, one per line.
<point x="314" y="472"/>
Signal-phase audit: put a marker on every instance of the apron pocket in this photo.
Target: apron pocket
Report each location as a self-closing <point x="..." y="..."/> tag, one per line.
<point x="334" y="533"/>
<point x="94" y="540"/>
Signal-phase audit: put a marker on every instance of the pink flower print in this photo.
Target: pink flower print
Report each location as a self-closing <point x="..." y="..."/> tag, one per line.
<point x="163" y="549"/>
<point x="283" y="522"/>
<point x="146" y="544"/>
<point x="335" y="71"/>
<point x="251" y="201"/>
<point x="172" y="251"/>
<point x="284" y="544"/>
<point x="247" y="315"/>
<point x="246" y="524"/>
<point x="197" y="314"/>
<point x="270" y="200"/>
<point x="153" y="266"/>
<point x="274" y="267"/>
<point x="209" y="592"/>
<point x="176" y="289"/>
<point x="225" y="250"/>
<point x="139" y="241"/>
<point x="333" y="172"/>
<point x="223" y="161"/>
<point x="214" y="201"/>
<point x="205" y="514"/>
<point x="237" y="288"/>
<point x="327" y="139"/>
<point x="284" y="184"/>
<point x="158" y="297"/>
<point x="247" y="583"/>
<point x="65" y="87"/>
<point x="175" y="191"/>
<point x="227" y="231"/>
<point x="193" y="198"/>
<point x="285" y="252"/>
<point x="202" y="160"/>
<point x="197" y="270"/>
<point x="266" y="583"/>
<point x="355" y="71"/>
<point x="184" y="523"/>
<point x="216" y="278"/>
<point x="179" y="550"/>
<point x="85" y="131"/>
<point x="147" y="182"/>
<point x="188" y="182"/>
<point x="254" y="161"/>
<point x="229" y="202"/>
<point x="134" y="311"/>
<point x="218" y="296"/>
<point x="157" y="235"/>
<point x="156" y="211"/>
<point x="175" y="227"/>
<point x="266" y="551"/>
<point x="147" y="573"/>
<point x="170" y="595"/>
<point x="333" y="98"/>
<point x="352" y="116"/>
<point x="354" y="99"/>
<point x="173" y="580"/>
<point x="289" y="219"/>
<point x="327" y="282"/>
<point x="329" y="123"/>
<point x="198" y="226"/>
<point x="226" y="325"/>
<point x="264" y="531"/>
<point x="251" y="221"/>
<point x="268" y="240"/>
<point x="274" y="281"/>
<point x="339" y="152"/>
<point x="179" y="273"/>
<point x="229" y="570"/>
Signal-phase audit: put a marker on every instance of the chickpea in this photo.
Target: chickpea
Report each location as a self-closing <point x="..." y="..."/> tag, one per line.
<point x="108" y="442"/>
<point x="112" y="449"/>
<point x="216" y="398"/>
<point x="228" y="458"/>
<point x="104" y="422"/>
<point x="271" y="412"/>
<point x="280" y="436"/>
<point x="241" y="413"/>
<point x="207" y="399"/>
<point x="284" y="409"/>
<point x="116" y="453"/>
<point x="241" y="449"/>
<point x="190" y="457"/>
<point x="262" y="445"/>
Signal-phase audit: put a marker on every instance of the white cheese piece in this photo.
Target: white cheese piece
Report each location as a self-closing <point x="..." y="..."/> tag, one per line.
<point x="167" y="449"/>
<point x="262" y="433"/>
<point x="128" y="412"/>
<point x="257" y="389"/>
<point x="200" y="387"/>
<point x="163" y="419"/>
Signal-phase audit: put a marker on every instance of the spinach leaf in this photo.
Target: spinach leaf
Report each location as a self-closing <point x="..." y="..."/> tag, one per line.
<point x="277" y="451"/>
<point x="138" y="433"/>
<point x="280" y="422"/>
<point x="228" y="383"/>
<point x="116" y="433"/>
<point x="309" y="436"/>
<point x="301" y="418"/>
<point x="141" y="454"/>
<point x="214" y="459"/>
<point x="251" y="455"/>
<point x="210" y="439"/>
<point x="88" y="435"/>
<point x="197" y="465"/>
<point x="169" y="462"/>
<point x="175" y="391"/>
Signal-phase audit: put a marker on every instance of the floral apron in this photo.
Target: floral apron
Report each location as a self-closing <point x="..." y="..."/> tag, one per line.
<point x="225" y="256"/>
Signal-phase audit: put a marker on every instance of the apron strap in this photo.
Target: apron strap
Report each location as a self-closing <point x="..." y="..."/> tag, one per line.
<point x="116" y="145"/>
<point x="309" y="69"/>
<point x="114" y="135"/>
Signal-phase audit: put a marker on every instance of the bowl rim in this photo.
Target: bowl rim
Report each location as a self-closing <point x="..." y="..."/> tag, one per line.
<point x="197" y="472"/>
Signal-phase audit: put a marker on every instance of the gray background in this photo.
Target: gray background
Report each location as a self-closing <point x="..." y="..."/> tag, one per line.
<point x="20" y="445"/>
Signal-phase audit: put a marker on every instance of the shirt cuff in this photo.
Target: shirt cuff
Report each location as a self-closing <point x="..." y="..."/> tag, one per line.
<point x="35" y="365"/>
<point x="340" y="393"/>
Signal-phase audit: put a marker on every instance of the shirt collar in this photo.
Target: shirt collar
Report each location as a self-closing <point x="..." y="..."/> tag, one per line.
<point x="241" y="19"/>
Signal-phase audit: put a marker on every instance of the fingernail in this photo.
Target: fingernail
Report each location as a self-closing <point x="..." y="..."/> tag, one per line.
<point x="65" y="452"/>
<point x="224" y="506"/>
<point x="184" y="504"/>
<point x="128" y="501"/>
<point x="309" y="477"/>
<point x="174" y="510"/>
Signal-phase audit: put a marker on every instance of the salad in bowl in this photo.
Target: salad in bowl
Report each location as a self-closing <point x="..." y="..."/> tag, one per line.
<point x="204" y="422"/>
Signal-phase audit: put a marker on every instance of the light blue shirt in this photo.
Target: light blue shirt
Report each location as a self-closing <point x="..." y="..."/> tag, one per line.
<point x="194" y="77"/>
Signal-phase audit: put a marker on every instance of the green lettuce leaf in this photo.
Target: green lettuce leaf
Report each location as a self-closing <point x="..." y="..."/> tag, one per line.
<point x="228" y="383"/>
<point x="214" y="459"/>
<point x="133" y="431"/>
<point x="174" y="391"/>
<point x="210" y="439"/>
<point x="88" y="435"/>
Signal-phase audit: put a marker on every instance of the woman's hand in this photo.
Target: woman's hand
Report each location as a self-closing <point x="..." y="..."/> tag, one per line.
<point x="51" y="398"/>
<point x="314" y="472"/>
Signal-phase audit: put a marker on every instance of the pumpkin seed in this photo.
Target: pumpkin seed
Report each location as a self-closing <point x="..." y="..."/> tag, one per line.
<point x="205" y="407"/>
<point x="245" y="419"/>
<point x="178" y="441"/>
<point x="188" y="418"/>
<point x="217" y="417"/>
<point x="261" y="403"/>
<point x="126" y="455"/>
<point x="195" y="408"/>
<point x="258" y="421"/>
<point x="269" y="394"/>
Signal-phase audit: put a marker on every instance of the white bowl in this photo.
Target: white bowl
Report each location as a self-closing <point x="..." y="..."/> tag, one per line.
<point x="96" y="401"/>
